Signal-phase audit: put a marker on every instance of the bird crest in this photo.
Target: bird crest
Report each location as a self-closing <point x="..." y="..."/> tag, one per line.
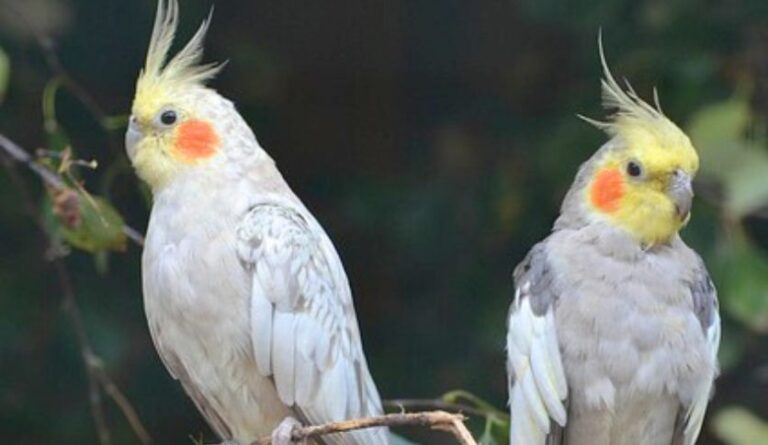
<point x="631" y="115"/>
<point x="183" y="69"/>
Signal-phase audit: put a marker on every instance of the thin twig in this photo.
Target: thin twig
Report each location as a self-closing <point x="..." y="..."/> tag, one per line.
<point x="50" y="178"/>
<point x="47" y="47"/>
<point x="438" y="420"/>
<point x="438" y="404"/>
<point x="97" y="376"/>
<point x="22" y="156"/>
<point x="94" y="395"/>
<point x="120" y="400"/>
<point x="76" y="318"/>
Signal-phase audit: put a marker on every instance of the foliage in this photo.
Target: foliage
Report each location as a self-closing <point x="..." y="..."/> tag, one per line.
<point x="737" y="426"/>
<point x="433" y="140"/>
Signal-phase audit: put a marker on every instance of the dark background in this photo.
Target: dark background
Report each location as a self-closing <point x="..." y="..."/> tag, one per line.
<point x="434" y="140"/>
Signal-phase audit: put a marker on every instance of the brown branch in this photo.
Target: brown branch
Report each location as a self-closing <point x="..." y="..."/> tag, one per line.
<point x="98" y="378"/>
<point x="68" y="301"/>
<point x="48" y="48"/>
<point x="437" y="420"/>
<point x="76" y="318"/>
<point x="47" y="45"/>
<point x="51" y="178"/>
<point x="117" y="396"/>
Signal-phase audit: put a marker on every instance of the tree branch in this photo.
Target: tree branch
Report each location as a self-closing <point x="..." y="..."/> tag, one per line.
<point x="50" y="178"/>
<point x="98" y="378"/>
<point x="437" y="420"/>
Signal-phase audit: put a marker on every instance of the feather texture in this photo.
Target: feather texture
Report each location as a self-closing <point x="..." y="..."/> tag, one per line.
<point x="182" y="69"/>
<point x="301" y="301"/>
<point x="694" y="417"/>
<point x="537" y="380"/>
<point x="631" y="114"/>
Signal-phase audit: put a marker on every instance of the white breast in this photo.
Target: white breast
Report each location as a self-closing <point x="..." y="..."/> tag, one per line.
<point x="196" y="301"/>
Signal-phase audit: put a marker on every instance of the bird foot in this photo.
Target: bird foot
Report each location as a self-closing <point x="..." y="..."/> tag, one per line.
<point x="283" y="433"/>
<point x="229" y="442"/>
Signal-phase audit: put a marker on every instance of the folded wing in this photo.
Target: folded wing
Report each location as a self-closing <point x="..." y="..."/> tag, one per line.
<point x="303" y="325"/>
<point x="537" y="385"/>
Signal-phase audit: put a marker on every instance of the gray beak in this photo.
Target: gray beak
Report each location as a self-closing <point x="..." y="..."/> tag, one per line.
<point x="132" y="137"/>
<point x="681" y="193"/>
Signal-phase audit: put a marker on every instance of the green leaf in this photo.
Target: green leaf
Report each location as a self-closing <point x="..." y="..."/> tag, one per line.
<point x="117" y="122"/>
<point x="488" y="439"/>
<point x="58" y="140"/>
<point x="729" y="157"/>
<point x="719" y="123"/>
<point x="88" y="223"/>
<point x="5" y="73"/>
<point x="737" y="426"/>
<point x="743" y="283"/>
<point x="460" y="395"/>
<point x="496" y="431"/>
<point x="50" y="123"/>
<point x="745" y="185"/>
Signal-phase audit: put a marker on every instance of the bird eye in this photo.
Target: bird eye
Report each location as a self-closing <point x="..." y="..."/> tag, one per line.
<point x="168" y="117"/>
<point x="634" y="169"/>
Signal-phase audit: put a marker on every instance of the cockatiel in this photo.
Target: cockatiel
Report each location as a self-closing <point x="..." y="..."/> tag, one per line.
<point x="614" y="329"/>
<point x="246" y="298"/>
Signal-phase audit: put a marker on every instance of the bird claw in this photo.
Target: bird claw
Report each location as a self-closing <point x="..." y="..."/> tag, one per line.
<point x="282" y="435"/>
<point x="229" y="442"/>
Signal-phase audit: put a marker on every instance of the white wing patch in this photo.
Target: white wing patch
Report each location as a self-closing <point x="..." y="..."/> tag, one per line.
<point x="695" y="415"/>
<point x="303" y="325"/>
<point x="537" y="385"/>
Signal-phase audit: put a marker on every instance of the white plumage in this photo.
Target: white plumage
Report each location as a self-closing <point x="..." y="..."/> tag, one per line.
<point x="246" y="298"/>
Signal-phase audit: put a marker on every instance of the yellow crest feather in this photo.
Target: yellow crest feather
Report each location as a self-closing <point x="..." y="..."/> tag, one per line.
<point x="631" y="113"/>
<point x="184" y="68"/>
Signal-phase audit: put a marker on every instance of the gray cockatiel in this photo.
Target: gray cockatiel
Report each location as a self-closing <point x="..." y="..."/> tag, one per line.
<point x="246" y="298"/>
<point x="614" y="330"/>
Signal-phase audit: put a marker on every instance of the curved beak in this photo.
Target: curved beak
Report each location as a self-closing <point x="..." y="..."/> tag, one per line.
<point x="132" y="137"/>
<point x="681" y="192"/>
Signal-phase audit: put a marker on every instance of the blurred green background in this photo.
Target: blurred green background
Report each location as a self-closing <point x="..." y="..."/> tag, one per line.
<point x="434" y="140"/>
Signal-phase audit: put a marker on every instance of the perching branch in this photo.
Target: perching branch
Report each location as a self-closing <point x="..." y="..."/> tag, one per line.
<point x="437" y="420"/>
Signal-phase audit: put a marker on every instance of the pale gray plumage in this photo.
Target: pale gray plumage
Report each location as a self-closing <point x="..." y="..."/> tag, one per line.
<point x="637" y="332"/>
<point x="614" y="328"/>
<point x="304" y="331"/>
<point x="246" y="298"/>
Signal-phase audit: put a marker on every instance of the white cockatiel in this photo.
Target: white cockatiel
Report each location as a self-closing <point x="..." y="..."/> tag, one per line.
<point x="614" y="330"/>
<point x="246" y="298"/>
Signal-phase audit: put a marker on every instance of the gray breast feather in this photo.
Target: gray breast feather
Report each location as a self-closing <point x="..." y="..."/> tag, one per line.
<point x="303" y="326"/>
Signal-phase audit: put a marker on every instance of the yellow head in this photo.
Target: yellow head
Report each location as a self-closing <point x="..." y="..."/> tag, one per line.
<point x="170" y="130"/>
<point x="641" y="181"/>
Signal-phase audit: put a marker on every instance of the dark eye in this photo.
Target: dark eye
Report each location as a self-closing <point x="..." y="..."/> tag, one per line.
<point x="168" y="117"/>
<point x="634" y="169"/>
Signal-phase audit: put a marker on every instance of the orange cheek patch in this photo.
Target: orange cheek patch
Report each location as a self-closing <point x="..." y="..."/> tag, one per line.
<point x="607" y="190"/>
<point x="196" y="139"/>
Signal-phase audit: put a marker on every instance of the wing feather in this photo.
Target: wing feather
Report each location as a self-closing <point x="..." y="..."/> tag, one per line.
<point x="537" y="383"/>
<point x="262" y="313"/>
<point x="694" y="418"/>
<point x="705" y="306"/>
<point x="303" y="324"/>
